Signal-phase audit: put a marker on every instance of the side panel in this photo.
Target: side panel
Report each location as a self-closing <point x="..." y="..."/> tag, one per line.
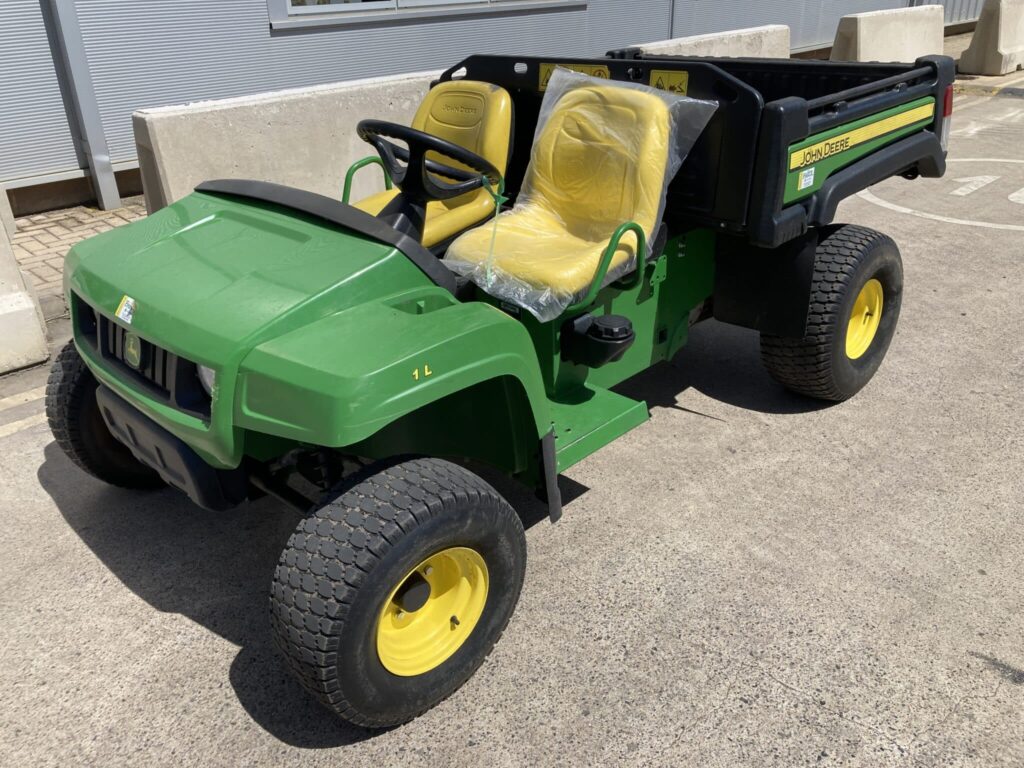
<point x="340" y="380"/>
<point x="489" y="422"/>
<point x="765" y="290"/>
<point x="660" y="308"/>
<point x="813" y="160"/>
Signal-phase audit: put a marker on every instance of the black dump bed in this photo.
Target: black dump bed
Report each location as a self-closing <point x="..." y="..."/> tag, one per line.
<point x="790" y="139"/>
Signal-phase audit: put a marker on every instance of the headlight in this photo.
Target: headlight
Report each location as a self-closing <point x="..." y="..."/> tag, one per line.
<point x="207" y="377"/>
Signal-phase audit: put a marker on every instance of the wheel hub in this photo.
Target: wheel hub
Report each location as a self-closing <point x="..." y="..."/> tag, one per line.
<point x="432" y="611"/>
<point x="865" y="318"/>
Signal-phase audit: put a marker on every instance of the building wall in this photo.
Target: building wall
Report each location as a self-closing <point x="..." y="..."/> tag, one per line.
<point x="812" y="22"/>
<point x="148" y="53"/>
<point x="169" y="53"/>
<point x="35" y="137"/>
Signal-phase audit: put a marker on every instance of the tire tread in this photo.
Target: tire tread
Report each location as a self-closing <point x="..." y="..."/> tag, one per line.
<point x="342" y="542"/>
<point x="805" y="365"/>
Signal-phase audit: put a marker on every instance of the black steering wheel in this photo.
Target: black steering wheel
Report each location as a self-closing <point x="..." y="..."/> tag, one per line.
<point x="415" y="174"/>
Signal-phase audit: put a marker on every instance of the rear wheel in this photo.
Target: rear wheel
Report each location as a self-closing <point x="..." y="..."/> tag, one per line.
<point x="856" y="293"/>
<point x="78" y="426"/>
<point x="390" y="596"/>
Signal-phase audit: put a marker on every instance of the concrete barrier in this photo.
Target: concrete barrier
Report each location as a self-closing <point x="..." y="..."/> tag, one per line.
<point x="770" y="42"/>
<point x="22" y="340"/>
<point x="6" y="214"/>
<point x="997" y="47"/>
<point x="302" y="137"/>
<point x="904" y="34"/>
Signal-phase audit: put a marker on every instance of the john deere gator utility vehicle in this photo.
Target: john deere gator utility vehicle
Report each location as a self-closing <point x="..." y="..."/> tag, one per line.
<point x="353" y="360"/>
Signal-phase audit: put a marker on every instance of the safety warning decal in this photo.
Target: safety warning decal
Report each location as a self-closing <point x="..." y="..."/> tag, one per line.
<point x="126" y="309"/>
<point x="667" y="80"/>
<point x="594" y="70"/>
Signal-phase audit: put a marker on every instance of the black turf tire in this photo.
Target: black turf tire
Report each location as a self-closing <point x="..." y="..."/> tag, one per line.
<point x="78" y="426"/>
<point x="817" y="365"/>
<point x="343" y="561"/>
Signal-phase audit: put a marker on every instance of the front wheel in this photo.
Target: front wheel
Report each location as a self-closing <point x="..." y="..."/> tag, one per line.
<point x="78" y="427"/>
<point x="855" y="299"/>
<point x="390" y="596"/>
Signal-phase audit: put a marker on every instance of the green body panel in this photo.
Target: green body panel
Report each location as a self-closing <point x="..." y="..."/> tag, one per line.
<point x="314" y="332"/>
<point x="827" y="165"/>
<point x="589" y="420"/>
<point x="403" y="361"/>
<point x="584" y="413"/>
<point x="320" y="336"/>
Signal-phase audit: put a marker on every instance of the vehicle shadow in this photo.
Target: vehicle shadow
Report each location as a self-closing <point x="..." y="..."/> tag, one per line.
<point x="213" y="568"/>
<point x="723" y="362"/>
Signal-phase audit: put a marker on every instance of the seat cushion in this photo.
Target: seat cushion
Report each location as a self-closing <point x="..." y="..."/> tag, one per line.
<point x="475" y="115"/>
<point x="532" y="249"/>
<point x="445" y="219"/>
<point x="600" y="160"/>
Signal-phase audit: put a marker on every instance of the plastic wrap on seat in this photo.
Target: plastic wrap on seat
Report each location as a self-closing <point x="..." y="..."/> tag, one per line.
<point x="604" y="153"/>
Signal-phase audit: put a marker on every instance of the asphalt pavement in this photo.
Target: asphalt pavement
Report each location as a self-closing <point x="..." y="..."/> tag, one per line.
<point x="749" y="579"/>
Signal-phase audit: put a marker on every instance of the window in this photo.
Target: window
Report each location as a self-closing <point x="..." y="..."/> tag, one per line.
<point x="305" y="13"/>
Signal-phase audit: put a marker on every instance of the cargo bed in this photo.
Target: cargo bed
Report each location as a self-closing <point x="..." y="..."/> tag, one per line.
<point x="790" y="140"/>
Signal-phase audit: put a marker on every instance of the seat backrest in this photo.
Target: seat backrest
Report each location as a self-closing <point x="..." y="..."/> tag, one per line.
<point x="600" y="160"/>
<point x="472" y="114"/>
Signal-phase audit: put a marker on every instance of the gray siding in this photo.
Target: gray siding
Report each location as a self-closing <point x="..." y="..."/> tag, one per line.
<point x="813" y="22"/>
<point x="962" y="10"/>
<point x="169" y="53"/>
<point x="148" y="53"/>
<point x="35" y="138"/>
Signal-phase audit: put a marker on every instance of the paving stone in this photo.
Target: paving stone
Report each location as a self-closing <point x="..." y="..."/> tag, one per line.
<point x="43" y="239"/>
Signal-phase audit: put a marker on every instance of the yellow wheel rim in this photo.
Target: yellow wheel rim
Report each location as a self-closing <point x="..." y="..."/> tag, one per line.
<point x="417" y="631"/>
<point x="864" y="319"/>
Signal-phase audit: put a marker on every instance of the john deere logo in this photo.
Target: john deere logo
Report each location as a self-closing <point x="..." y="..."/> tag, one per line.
<point x="132" y="350"/>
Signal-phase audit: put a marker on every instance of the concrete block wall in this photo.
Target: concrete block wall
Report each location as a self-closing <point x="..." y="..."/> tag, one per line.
<point x="901" y="35"/>
<point x="771" y="42"/>
<point x="302" y="137"/>
<point x="22" y="340"/>
<point x="306" y="137"/>
<point x="6" y="214"/>
<point x="997" y="47"/>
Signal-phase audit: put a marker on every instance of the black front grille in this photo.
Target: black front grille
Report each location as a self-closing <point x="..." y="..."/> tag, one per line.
<point x="155" y="363"/>
<point x="161" y="373"/>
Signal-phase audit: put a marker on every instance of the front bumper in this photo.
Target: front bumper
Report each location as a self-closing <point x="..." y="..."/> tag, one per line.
<point x="177" y="464"/>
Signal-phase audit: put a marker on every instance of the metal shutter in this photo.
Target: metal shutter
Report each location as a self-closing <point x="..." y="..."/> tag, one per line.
<point x="35" y="138"/>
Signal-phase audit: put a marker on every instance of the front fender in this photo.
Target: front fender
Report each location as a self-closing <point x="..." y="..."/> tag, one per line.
<point x="341" y="379"/>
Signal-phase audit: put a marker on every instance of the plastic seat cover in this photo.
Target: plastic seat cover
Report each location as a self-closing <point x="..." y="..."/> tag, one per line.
<point x="603" y="156"/>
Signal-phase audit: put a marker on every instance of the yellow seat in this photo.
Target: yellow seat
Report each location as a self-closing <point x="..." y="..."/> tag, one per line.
<point x="599" y="161"/>
<point x="474" y="115"/>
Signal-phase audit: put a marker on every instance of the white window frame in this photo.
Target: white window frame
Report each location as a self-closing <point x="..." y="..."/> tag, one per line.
<point x="283" y="15"/>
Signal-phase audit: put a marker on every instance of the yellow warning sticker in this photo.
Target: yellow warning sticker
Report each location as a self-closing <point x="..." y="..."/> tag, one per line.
<point x="837" y="144"/>
<point x="594" y="70"/>
<point x="667" y="80"/>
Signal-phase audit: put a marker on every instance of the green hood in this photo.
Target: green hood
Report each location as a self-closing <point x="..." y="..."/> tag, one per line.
<point x="212" y="276"/>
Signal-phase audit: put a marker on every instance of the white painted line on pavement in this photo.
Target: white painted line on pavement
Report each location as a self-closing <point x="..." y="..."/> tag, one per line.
<point x="1013" y="82"/>
<point x="872" y="198"/>
<point x="972" y="184"/>
<point x="22" y="397"/>
<point x="981" y="160"/>
<point x="17" y="426"/>
<point x="960" y="106"/>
